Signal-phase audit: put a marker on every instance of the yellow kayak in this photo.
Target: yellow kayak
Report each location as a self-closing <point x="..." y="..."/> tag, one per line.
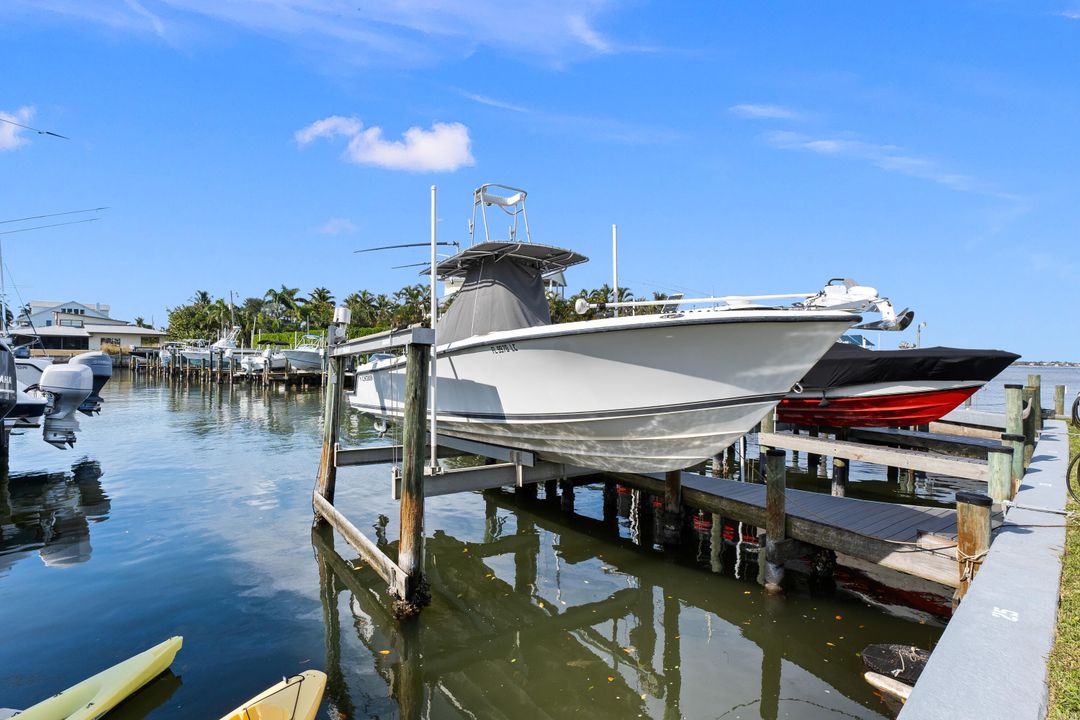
<point x="96" y="695"/>
<point x="295" y="698"/>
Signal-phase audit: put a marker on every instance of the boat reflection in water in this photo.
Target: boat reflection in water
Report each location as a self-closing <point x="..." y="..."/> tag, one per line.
<point x="50" y="513"/>
<point x="567" y="614"/>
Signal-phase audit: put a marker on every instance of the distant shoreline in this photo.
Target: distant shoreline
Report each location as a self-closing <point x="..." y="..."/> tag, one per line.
<point x="1047" y="363"/>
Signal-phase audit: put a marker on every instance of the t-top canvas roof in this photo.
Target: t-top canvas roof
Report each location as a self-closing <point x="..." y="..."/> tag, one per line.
<point x="544" y="258"/>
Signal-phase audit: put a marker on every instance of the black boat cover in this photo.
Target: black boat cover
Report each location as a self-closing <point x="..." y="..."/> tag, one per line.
<point x="847" y="364"/>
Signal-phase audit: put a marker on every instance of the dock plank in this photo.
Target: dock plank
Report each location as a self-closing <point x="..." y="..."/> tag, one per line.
<point x="967" y="468"/>
<point x="840" y="523"/>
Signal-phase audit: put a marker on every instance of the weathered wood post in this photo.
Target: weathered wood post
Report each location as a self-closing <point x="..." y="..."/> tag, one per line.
<point x="326" y="479"/>
<point x="1016" y="442"/>
<point x="413" y="447"/>
<point x="566" y="495"/>
<point x="972" y="536"/>
<point x="775" y="517"/>
<point x="1014" y="409"/>
<point x="1030" y="424"/>
<point x="813" y="460"/>
<point x="840" y="470"/>
<point x="1059" y="400"/>
<point x="1034" y="381"/>
<point x="1000" y="481"/>
<point x="672" y="507"/>
<point x="768" y="425"/>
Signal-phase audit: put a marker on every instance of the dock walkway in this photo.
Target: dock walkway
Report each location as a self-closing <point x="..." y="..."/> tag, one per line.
<point x="915" y="540"/>
<point x="991" y="660"/>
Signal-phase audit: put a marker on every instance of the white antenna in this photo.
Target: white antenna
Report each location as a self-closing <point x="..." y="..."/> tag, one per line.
<point x="615" y="264"/>
<point x="434" y="341"/>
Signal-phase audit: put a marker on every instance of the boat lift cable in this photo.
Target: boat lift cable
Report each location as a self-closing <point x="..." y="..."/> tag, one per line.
<point x="49" y="215"/>
<point x="39" y="132"/>
<point x="51" y="225"/>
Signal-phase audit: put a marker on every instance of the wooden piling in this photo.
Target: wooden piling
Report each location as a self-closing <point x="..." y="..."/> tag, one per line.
<point x="1016" y="442"/>
<point x="973" y="536"/>
<point x="839" y="477"/>
<point x="413" y="446"/>
<point x="1059" y="400"/>
<point x="326" y="479"/>
<point x="1030" y="423"/>
<point x="1034" y="381"/>
<point x="672" y="507"/>
<point x="566" y="495"/>
<point x="1000" y="482"/>
<point x="775" y="517"/>
<point x="1014" y="409"/>
<point x="813" y="460"/>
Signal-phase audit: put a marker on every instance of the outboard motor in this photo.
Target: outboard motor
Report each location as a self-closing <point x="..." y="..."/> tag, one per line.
<point x="101" y="365"/>
<point x="9" y="384"/>
<point x="67" y="386"/>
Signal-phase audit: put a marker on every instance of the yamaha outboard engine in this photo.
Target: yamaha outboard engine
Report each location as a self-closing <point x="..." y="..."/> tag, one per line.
<point x="9" y="385"/>
<point x="67" y="387"/>
<point x="101" y="365"/>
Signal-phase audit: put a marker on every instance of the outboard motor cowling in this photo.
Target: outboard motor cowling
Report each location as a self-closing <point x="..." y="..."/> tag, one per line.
<point x="101" y="366"/>
<point x="9" y="383"/>
<point x="68" y="385"/>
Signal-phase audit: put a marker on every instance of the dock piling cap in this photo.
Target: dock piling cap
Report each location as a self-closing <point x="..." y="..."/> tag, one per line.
<point x="974" y="499"/>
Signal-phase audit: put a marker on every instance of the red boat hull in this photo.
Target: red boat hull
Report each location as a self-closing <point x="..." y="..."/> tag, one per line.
<point x="896" y="410"/>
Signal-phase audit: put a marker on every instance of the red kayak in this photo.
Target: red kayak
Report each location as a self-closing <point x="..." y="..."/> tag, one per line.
<point x="856" y="387"/>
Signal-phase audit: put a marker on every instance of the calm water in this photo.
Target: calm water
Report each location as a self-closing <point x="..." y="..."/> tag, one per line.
<point x="187" y="511"/>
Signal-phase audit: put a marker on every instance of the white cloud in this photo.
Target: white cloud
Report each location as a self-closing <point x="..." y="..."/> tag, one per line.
<point x="328" y="127"/>
<point x="11" y="136"/>
<point x="580" y="29"/>
<point x="1071" y="14"/>
<point x="763" y="112"/>
<point x="337" y="226"/>
<point x="886" y="157"/>
<point x="492" y="102"/>
<point x="444" y="148"/>
<point x="410" y="32"/>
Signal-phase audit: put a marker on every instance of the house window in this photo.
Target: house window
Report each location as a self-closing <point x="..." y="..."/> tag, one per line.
<point x="149" y="340"/>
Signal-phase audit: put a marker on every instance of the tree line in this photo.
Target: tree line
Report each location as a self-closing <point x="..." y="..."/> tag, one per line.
<point x="285" y="309"/>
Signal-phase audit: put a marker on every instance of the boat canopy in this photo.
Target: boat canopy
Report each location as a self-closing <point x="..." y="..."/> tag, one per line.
<point x="847" y="364"/>
<point x="544" y="258"/>
<point x="499" y="293"/>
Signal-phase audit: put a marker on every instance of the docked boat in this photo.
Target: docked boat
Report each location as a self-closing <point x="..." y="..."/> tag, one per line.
<point x="307" y="356"/>
<point x="636" y="393"/>
<point x="853" y="386"/>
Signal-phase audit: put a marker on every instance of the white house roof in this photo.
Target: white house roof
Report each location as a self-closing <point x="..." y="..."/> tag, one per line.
<point x="105" y="329"/>
<point x="51" y="331"/>
<point x="85" y="331"/>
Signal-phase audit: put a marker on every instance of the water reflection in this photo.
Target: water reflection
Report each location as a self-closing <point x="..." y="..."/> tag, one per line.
<point x="50" y="513"/>
<point x="560" y="616"/>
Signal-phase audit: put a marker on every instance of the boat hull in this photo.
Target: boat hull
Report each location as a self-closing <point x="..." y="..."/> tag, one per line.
<point x="888" y="405"/>
<point x="307" y="360"/>
<point x="633" y="396"/>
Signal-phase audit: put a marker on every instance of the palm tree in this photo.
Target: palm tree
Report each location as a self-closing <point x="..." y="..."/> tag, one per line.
<point x="363" y="307"/>
<point x="321" y="296"/>
<point x="202" y="298"/>
<point x="140" y="322"/>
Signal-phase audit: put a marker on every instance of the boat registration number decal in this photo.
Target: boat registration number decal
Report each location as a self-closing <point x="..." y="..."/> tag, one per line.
<point x="365" y="378"/>
<point x="504" y="348"/>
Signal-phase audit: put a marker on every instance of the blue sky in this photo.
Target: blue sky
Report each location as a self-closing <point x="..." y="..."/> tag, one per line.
<point x="929" y="149"/>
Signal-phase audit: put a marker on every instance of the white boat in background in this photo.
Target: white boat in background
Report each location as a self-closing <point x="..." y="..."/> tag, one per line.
<point x="270" y="354"/>
<point x="308" y="355"/>
<point x="641" y="393"/>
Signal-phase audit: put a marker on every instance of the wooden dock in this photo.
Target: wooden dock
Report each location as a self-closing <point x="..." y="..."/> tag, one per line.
<point x="918" y="541"/>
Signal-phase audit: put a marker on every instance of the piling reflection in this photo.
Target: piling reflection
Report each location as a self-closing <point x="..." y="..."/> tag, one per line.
<point x="50" y="513"/>
<point x="515" y="628"/>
